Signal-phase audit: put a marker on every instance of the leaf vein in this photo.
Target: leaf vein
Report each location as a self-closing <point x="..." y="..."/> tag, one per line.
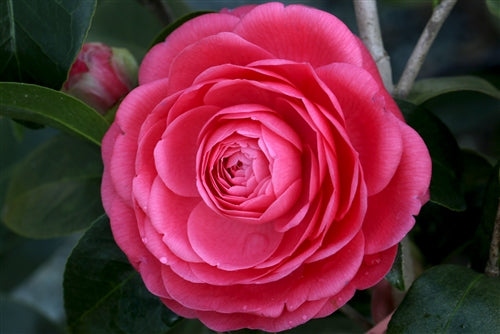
<point x="452" y="316"/>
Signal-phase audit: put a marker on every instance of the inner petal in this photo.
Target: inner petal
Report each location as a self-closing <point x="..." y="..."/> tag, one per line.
<point x="249" y="164"/>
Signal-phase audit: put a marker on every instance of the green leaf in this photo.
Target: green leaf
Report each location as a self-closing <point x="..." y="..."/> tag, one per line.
<point x="396" y="275"/>
<point x="104" y="294"/>
<point x="55" y="190"/>
<point x="489" y="208"/>
<point x="445" y="185"/>
<point x="427" y="89"/>
<point x="176" y="24"/>
<point x="16" y="317"/>
<point x="449" y="299"/>
<point x="42" y="105"/>
<point x="41" y="38"/>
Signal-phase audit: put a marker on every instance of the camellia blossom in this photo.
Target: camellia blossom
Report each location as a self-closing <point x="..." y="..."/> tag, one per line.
<point x="261" y="174"/>
<point x="101" y="75"/>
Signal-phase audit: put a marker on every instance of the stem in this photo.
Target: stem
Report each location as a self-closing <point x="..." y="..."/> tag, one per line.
<point x="408" y="266"/>
<point x="417" y="58"/>
<point x="492" y="265"/>
<point x="369" y="31"/>
<point x="161" y="10"/>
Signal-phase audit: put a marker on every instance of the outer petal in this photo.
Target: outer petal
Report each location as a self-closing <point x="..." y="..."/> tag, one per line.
<point x="156" y="63"/>
<point x="390" y="212"/>
<point x="374" y="132"/>
<point x="108" y="192"/>
<point x="374" y="268"/>
<point x="189" y="63"/>
<point x="286" y="320"/>
<point x="305" y="34"/>
<point x="328" y="277"/>
<point x="132" y="111"/>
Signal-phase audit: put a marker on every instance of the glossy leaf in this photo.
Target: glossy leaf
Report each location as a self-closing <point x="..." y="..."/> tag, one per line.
<point x="49" y="107"/>
<point x="41" y="38"/>
<point x="445" y="185"/>
<point x="489" y="208"/>
<point x="396" y="275"/>
<point x="449" y="299"/>
<point x="55" y="190"/>
<point x="104" y="294"/>
<point x="427" y="89"/>
<point x="176" y="24"/>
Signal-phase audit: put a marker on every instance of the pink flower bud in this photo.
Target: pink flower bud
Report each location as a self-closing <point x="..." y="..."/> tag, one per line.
<point x="101" y="75"/>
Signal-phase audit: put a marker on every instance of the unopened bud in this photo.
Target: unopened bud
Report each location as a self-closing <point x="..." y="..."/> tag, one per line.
<point x="101" y="75"/>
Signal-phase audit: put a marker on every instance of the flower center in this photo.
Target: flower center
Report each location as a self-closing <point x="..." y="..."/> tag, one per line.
<point x="244" y="168"/>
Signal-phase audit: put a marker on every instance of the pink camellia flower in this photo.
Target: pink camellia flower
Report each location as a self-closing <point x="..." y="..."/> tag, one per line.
<point x="260" y="174"/>
<point x="101" y="75"/>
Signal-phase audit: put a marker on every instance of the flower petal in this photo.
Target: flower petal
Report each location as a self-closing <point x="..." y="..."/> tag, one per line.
<point x="228" y="244"/>
<point x="175" y="153"/>
<point x="301" y="30"/>
<point x="374" y="133"/>
<point x="390" y="212"/>
<point x="169" y="215"/>
<point x="156" y="63"/>
<point x="189" y="63"/>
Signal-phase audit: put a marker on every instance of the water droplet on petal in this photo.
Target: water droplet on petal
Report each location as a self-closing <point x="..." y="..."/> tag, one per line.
<point x="304" y="317"/>
<point x="163" y="259"/>
<point x="145" y="240"/>
<point x="373" y="261"/>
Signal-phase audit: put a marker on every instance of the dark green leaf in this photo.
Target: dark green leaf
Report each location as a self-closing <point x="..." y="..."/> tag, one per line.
<point x="427" y="89"/>
<point x="449" y="299"/>
<point x="473" y="118"/>
<point x="55" y="190"/>
<point x="396" y="275"/>
<point x="445" y="185"/>
<point x="465" y="238"/>
<point x="49" y="107"/>
<point x="15" y="142"/>
<point x="40" y="39"/>
<point x="104" y="294"/>
<point x="19" y="318"/>
<point x="174" y="25"/>
<point x="490" y="205"/>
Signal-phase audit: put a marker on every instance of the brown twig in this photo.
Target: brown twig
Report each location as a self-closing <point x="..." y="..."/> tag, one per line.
<point x="492" y="265"/>
<point x="369" y="31"/>
<point x="417" y="58"/>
